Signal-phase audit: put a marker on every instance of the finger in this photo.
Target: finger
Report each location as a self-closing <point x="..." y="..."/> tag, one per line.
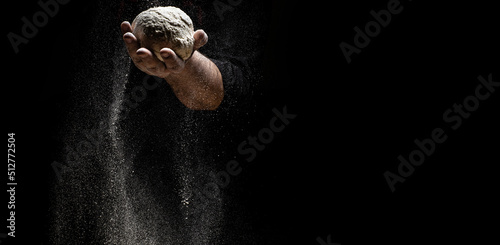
<point x="171" y="60"/>
<point x="144" y="53"/>
<point x="125" y="27"/>
<point x="149" y="61"/>
<point x="200" y="39"/>
<point x="131" y="43"/>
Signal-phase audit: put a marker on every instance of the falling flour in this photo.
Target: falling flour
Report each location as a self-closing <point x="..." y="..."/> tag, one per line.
<point x="165" y="27"/>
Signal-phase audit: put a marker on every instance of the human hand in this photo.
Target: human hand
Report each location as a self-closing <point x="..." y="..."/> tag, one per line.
<point x="147" y="62"/>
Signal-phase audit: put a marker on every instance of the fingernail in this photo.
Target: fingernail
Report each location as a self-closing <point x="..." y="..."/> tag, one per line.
<point x="128" y="40"/>
<point x="164" y="55"/>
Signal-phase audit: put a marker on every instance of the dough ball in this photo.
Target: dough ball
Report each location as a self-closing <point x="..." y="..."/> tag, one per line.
<point x="165" y="27"/>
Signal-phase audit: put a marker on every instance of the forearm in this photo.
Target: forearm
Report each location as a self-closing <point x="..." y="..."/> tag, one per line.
<point x="199" y="85"/>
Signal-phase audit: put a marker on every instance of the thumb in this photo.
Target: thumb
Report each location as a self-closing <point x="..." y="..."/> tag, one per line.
<point x="200" y="39"/>
<point x="173" y="62"/>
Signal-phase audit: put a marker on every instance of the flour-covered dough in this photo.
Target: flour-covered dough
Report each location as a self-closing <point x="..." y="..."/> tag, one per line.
<point x="165" y="27"/>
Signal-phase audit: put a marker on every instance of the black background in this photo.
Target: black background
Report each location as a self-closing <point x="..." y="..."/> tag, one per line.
<point x="323" y="175"/>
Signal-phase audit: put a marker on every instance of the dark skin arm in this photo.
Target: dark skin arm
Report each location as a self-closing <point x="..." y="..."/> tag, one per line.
<point x="196" y="82"/>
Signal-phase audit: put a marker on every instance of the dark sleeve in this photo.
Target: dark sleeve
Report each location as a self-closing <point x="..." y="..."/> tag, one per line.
<point x="236" y="79"/>
<point x="235" y="45"/>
